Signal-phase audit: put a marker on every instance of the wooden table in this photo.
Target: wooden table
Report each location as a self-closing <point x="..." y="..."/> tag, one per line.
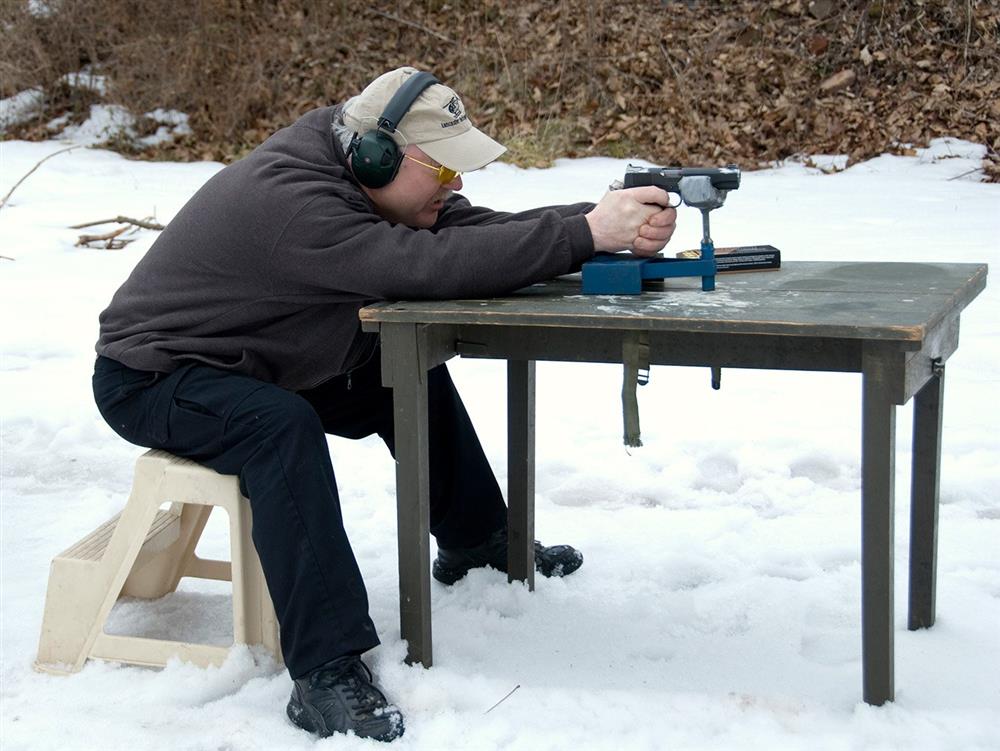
<point x="895" y="323"/>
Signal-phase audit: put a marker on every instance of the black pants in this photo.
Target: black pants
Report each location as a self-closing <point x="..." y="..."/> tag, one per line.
<point x="274" y="441"/>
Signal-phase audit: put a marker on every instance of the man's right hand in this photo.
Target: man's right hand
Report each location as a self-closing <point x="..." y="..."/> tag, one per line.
<point x="639" y="219"/>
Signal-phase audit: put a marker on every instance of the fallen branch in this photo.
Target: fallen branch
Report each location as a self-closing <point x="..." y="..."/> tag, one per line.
<point x="111" y="240"/>
<point x="146" y="223"/>
<point x="3" y="201"/>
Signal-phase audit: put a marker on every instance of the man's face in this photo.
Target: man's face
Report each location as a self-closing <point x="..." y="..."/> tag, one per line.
<point x="416" y="196"/>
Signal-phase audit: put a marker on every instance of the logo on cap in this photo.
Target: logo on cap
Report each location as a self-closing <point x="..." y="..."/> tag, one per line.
<point x="454" y="106"/>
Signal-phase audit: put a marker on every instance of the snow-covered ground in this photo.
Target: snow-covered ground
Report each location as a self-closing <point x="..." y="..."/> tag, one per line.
<point x="719" y="605"/>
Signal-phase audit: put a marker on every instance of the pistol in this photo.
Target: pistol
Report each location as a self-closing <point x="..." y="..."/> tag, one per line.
<point x="700" y="187"/>
<point x="703" y="188"/>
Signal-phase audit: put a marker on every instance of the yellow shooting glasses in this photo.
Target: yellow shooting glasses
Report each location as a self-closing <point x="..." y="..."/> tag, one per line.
<point x="444" y="174"/>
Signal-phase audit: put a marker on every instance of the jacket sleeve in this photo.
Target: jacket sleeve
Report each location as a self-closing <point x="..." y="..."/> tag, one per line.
<point x="332" y="245"/>
<point x="459" y="212"/>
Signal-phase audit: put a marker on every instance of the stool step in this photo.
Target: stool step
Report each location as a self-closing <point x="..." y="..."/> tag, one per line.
<point x="162" y="534"/>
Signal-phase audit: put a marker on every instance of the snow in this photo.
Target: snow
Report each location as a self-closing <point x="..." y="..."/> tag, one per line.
<point x="105" y="122"/>
<point x="87" y="79"/>
<point x="719" y="603"/>
<point x="20" y="107"/>
<point x="109" y="121"/>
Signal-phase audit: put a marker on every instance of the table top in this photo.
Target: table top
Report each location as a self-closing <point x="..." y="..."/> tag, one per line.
<point x="871" y="300"/>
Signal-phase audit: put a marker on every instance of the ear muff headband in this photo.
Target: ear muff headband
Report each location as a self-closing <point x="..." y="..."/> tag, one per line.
<point x="375" y="156"/>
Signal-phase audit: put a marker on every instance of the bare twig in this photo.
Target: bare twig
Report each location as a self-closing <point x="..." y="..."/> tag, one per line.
<point x="84" y="239"/>
<point x="146" y="223"/>
<point x="3" y="201"/>
<point x="503" y="57"/>
<point x="968" y="31"/>
<point x="412" y="24"/>
<point x="503" y="699"/>
<point x="110" y="239"/>
<point x="967" y="172"/>
<point x="670" y="62"/>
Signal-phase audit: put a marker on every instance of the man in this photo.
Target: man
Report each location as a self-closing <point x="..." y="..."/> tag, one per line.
<point x="236" y="342"/>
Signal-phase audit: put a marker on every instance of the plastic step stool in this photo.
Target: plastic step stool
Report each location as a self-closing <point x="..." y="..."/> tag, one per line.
<point x="144" y="552"/>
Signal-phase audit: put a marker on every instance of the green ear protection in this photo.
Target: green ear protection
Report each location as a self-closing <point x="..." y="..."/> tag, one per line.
<point x="374" y="156"/>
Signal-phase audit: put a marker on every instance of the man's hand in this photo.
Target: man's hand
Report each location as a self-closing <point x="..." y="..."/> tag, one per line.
<point x="639" y="219"/>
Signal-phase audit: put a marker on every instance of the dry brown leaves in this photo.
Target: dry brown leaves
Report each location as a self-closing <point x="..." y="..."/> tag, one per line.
<point x="673" y="82"/>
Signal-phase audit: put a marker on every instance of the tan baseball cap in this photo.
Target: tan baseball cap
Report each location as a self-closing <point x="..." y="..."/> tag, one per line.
<point x="436" y="122"/>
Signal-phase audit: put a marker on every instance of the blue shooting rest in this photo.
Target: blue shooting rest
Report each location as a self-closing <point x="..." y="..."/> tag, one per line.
<point x="623" y="274"/>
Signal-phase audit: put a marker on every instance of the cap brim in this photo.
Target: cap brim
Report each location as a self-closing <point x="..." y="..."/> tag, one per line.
<point x="469" y="151"/>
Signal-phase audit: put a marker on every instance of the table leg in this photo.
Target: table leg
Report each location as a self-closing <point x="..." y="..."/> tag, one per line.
<point x="927" y="409"/>
<point x="521" y="471"/>
<point x="877" y="481"/>
<point x="403" y="356"/>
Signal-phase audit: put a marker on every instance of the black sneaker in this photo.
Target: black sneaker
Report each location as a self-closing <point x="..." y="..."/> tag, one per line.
<point x="339" y="696"/>
<point x="452" y="565"/>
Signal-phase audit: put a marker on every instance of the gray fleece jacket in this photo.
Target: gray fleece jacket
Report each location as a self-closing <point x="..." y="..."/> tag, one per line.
<point x="264" y="270"/>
